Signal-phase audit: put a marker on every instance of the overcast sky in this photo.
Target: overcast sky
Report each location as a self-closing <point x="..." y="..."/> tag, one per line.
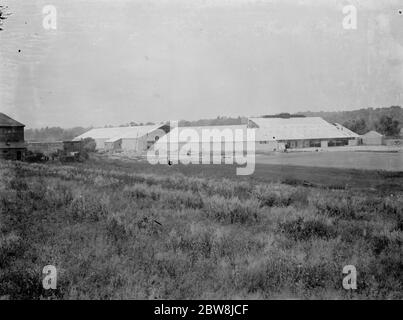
<point x="116" y="61"/>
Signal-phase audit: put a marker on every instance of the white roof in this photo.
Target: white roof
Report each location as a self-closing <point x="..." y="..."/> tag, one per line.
<point x="299" y="128"/>
<point x="346" y="130"/>
<point x="116" y="133"/>
<point x="134" y="134"/>
<point x="229" y="133"/>
<point x="372" y="133"/>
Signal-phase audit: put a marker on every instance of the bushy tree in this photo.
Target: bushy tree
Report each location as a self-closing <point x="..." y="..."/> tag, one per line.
<point x="3" y="15"/>
<point x="387" y="126"/>
<point x="89" y="145"/>
<point x="358" y="126"/>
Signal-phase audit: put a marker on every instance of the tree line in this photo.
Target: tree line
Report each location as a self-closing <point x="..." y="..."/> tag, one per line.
<point x="3" y="15"/>
<point x="53" y="134"/>
<point x="385" y="125"/>
<point x="387" y="121"/>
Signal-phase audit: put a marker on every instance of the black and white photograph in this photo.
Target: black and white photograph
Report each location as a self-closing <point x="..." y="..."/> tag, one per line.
<point x="220" y="151"/>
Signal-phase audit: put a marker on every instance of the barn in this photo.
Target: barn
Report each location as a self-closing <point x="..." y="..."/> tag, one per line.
<point x="274" y="134"/>
<point x="373" y="138"/>
<point x="12" y="144"/>
<point x="136" y="138"/>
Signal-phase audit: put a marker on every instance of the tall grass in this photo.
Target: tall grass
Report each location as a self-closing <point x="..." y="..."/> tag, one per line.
<point x="113" y="234"/>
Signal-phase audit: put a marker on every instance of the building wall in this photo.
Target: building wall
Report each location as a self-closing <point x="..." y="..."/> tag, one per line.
<point x="142" y="143"/>
<point x="12" y="154"/>
<point x="72" y="146"/>
<point x="46" y="148"/>
<point x="114" y="145"/>
<point x="12" y="134"/>
<point x="100" y="143"/>
<point x="353" y="142"/>
<point x="268" y="146"/>
<point x="319" y="143"/>
<point x="12" y="140"/>
<point x="375" y="141"/>
<point x="294" y="144"/>
<point x="153" y="137"/>
<point x="133" y="144"/>
<point x="207" y="147"/>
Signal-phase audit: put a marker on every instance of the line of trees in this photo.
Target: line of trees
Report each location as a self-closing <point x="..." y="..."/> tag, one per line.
<point x="385" y="125"/>
<point x="387" y="121"/>
<point x="219" y="121"/>
<point x="3" y="15"/>
<point x="53" y="134"/>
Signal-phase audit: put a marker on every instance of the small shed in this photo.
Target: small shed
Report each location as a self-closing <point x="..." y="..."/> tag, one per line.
<point x="372" y="138"/>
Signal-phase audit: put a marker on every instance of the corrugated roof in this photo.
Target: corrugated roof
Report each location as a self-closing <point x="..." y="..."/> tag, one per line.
<point x="6" y="121"/>
<point x="116" y="133"/>
<point x="299" y="128"/>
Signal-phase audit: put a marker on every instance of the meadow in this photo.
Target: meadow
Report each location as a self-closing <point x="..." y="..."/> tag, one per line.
<point x="131" y="231"/>
<point x="384" y="159"/>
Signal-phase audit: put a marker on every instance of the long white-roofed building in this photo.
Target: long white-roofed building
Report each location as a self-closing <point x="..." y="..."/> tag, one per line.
<point x="207" y="140"/>
<point x="299" y="132"/>
<point x="135" y="138"/>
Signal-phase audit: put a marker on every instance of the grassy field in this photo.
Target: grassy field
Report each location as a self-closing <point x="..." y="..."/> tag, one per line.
<point x="130" y="230"/>
<point x="378" y="181"/>
<point x="368" y="160"/>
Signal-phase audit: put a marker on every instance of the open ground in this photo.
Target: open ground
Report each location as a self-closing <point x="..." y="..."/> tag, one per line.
<point x="117" y="229"/>
<point x="363" y="159"/>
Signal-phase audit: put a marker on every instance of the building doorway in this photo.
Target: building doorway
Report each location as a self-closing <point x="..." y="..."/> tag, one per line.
<point x="19" y="155"/>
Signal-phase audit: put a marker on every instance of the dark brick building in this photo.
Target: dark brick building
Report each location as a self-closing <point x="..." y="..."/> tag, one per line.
<point x="12" y="144"/>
